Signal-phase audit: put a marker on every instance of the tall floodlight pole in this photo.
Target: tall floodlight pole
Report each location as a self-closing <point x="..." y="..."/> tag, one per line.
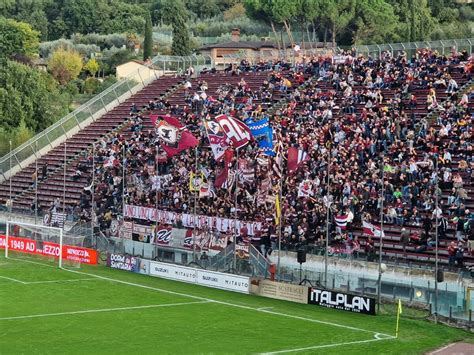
<point x="436" y="241"/>
<point x="328" y="207"/>
<point x="379" y="288"/>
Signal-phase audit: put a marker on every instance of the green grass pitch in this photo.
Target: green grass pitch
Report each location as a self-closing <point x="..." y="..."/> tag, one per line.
<point x="97" y="310"/>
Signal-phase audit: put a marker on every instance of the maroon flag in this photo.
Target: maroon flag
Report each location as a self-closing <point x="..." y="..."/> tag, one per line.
<point x="221" y="179"/>
<point x="174" y="136"/>
<point x="296" y="157"/>
<point x="153" y="119"/>
<point x="236" y="131"/>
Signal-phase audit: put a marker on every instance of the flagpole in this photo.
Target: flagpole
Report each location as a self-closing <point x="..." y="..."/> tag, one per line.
<point x="10" y="184"/>
<point x="436" y="247"/>
<point x="93" y="192"/>
<point x="399" y="311"/>
<point x="235" y="213"/>
<point x="36" y="182"/>
<point x="64" y="181"/>
<point x="280" y="217"/>
<point x="195" y="205"/>
<point x="379" y="288"/>
<point x="328" y="188"/>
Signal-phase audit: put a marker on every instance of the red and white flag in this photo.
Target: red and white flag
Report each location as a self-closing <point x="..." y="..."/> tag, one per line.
<point x="174" y="135"/>
<point x="341" y="221"/>
<point x="217" y="139"/>
<point x="372" y="230"/>
<point x="296" y="157"/>
<point x="236" y="131"/>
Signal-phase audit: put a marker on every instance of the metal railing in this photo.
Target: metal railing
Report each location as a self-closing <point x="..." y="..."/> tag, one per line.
<point x="442" y="46"/>
<point x="113" y="96"/>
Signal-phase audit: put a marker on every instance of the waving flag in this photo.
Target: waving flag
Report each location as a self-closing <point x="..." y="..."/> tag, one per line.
<point x="196" y="181"/>
<point x="174" y="135"/>
<point x="277" y="165"/>
<point x="296" y="157"/>
<point x="263" y="133"/>
<point x="217" y="139"/>
<point x="372" y="230"/>
<point x="341" y="221"/>
<point x="236" y="131"/>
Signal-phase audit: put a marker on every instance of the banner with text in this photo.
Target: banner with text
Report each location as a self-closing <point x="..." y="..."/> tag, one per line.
<point x="342" y="301"/>
<point x="30" y="246"/>
<point x="280" y="291"/>
<point x="201" y="277"/>
<point x="190" y="220"/>
<point x="128" y="263"/>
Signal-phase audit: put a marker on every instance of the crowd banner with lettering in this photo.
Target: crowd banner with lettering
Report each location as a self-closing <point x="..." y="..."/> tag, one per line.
<point x="30" y="246"/>
<point x="128" y="263"/>
<point x="190" y="220"/>
<point x="342" y="301"/>
<point x="280" y="290"/>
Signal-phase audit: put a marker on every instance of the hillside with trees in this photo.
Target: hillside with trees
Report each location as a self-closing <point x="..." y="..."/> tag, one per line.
<point x="79" y="43"/>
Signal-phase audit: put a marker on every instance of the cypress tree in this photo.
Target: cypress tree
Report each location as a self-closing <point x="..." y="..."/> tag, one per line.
<point x="148" y="41"/>
<point x="181" y="43"/>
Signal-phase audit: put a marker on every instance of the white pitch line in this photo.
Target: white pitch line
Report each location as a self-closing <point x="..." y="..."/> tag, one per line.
<point x="220" y="302"/>
<point x="323" y="346"/>
<point x="12" y="279"/>
<point x="58" y="281"/>
<point x="233" y="304"/>
<point x="101" y="310"/>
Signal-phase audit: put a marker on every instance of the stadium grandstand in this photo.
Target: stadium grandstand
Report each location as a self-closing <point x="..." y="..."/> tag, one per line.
<point x="412" y="112"/>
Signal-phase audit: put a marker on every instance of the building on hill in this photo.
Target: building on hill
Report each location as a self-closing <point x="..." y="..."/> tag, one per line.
<point x="131" y="67"/>
<point x="255" y="51"/>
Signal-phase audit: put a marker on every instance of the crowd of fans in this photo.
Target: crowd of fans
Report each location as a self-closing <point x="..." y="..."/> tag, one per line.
<point x="354" y="119"/>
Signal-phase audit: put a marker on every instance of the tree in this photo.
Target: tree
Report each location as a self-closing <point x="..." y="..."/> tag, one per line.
<point x="17" y="38"/>
<point x="181" y="44"/>
<point x="148" y="41"/>
<point x="374" y="22"/>
<point x="337" y="15"/>
<point x="92" y="66"/>
<point x="236" y="11"/>
<point x="29" y="95"/>
<point x="415" y="20"/>
<point x="174" y="12"/>
<point x="65" y="65"/>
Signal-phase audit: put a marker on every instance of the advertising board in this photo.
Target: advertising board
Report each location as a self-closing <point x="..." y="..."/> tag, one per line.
<point x="200" y="277"/>
<point x="280" y="291"/>
<point x="173" y="272"/>
<point x="128" y="263"/>
<point x="30" y="246"/>
<point x="342" y="301"/>
<point x="223" y="281"/>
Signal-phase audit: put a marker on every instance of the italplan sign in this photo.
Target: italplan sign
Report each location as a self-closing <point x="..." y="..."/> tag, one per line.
<point x="342" y="301"/>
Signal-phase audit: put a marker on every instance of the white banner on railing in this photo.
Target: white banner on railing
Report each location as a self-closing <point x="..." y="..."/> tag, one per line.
<point x="173" y="272"/>
<point x="189" y="220"/>
<point x="201" y="277"/>
<point x="224" y="281"/>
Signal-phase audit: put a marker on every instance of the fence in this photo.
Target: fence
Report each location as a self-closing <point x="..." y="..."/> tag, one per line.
<point x="444" y="46"/>
<point x="455" y="295"/>
<point x="93" y="109"/>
